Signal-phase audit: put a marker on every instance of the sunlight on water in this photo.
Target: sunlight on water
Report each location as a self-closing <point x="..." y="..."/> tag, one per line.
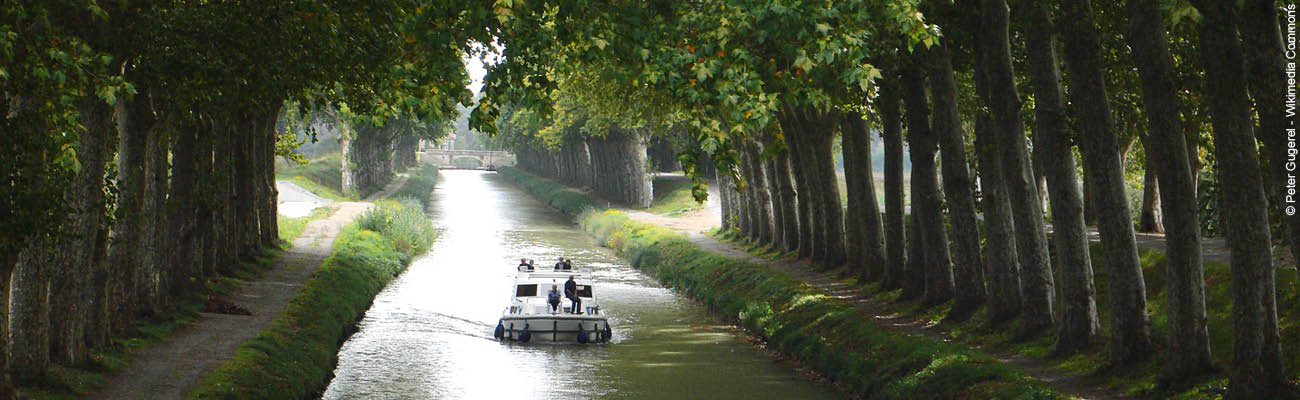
<point x="429" y="333"/>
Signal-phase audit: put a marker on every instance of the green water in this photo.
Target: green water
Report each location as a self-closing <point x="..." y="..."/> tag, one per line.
<point x="429" y="334"/>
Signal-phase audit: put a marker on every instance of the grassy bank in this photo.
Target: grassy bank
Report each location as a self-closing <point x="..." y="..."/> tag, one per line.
<point x="570" y="201"/>
<point x="295" y="357"/>
<point x="672" y="196"/>
<point x="323" y="176"/>
<point x="1140" y="380"/>
<point x="823" y="332"/>
<point x="419" y="185"/>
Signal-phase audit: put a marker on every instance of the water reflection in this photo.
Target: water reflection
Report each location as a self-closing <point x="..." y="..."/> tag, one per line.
<point x="429" y="334"/>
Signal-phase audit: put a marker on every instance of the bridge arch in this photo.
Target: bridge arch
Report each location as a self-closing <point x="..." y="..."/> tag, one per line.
<point x="447" y="158"/>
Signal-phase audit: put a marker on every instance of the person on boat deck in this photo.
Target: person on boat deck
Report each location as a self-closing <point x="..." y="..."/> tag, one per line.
<point x="523" y="264"/>
<point x="568" y="265"/>
<point x="554" y="298"/>
<point x="559" y="264"/>
<point x="571" y="291"/>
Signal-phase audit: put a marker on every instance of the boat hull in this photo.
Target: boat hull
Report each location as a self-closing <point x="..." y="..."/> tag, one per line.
<point x="559" y="328"/>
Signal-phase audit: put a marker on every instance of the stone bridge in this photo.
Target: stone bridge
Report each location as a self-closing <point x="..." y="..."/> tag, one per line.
<point x="447" y="158"/>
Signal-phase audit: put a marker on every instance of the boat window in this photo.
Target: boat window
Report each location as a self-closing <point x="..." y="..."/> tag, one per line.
<point x="584" y="290"/>
<point x="526" y="290"/>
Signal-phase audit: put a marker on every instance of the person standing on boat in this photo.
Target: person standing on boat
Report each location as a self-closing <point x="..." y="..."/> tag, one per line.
<point x="559" y="264"/>
<point x="523" y="265"/>
<point x="568" y="265"/>
<point x="571" y="291"/>
<point x="554" y="298"/>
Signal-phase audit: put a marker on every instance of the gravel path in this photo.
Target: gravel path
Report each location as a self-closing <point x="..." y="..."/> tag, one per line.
<point x="170" y="369"/>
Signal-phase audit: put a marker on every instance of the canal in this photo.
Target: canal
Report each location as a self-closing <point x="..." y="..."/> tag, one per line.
<point x="429" y="333"/>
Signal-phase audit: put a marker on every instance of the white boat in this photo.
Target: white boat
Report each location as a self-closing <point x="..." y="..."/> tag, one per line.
<point x="530" y="316"/>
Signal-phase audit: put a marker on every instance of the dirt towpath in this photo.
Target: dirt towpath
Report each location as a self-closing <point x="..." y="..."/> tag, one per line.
<point x="170" y="369"/>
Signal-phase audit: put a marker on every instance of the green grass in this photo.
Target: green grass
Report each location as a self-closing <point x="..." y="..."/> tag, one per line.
<point x="567" y="200"/>
<point x="295" y="357"/>
<point x="1141" y="380"/>
<point x="323" y="176"/>
<point x="672" y="196"/>
<point x="419" y="185"/>
<point x="823" y="332"/>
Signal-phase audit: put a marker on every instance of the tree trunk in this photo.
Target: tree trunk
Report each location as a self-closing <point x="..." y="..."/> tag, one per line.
<point x="623" y="177"/>
<point x="803" y="186"/>
<point x="1036" y="281"/>
<point x="6" y="273"/>
<point x="946" y="123"/>
<point x="822" y="124"/>
<point x="724" y="198"/>
<point x="1261" y="42"/>
<point x="854" y="231"/>
<point x="787" y="204"/>
<point x="116" y="281"/>
<point x="913" y="279"/>
<point x="74" y="258"/>
<point x="927" y="202"/>
<point x="1004" y="291"/>
<point x="183" y="237"/>
<point x="1257" y="371"/>
<point x="872" y="245"/>
<point x="1189" y="348"/>
<point x="895" y="240"/>
<point x="270" y="229"/>
<point x="246" y="184"/>
<point x="1149" y="219"/>
<point x="1080" y="325"/>
<point x="1130" y="328"/>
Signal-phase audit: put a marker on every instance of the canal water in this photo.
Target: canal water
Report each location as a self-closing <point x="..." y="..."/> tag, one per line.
<point x="429" y="333"/>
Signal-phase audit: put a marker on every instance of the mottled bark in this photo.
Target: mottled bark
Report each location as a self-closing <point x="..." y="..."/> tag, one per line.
<point x="891" y="273"/>
<point x="1079" y="325"/>
<point x="913" y="275"/>
<point x="1130" y="328"/>
<point x="823" y="126"/>
<point x="851" y="149"/>
<point x="620" y="160"/>
<point x="872" y="245"/>
<point x="1189" y="348"/>
<point x="267" y="221"/>
<point x="181" y="230"/>
<point x="117" y="278"/>
<point x="1149" y="218"/>
<point x="927" y="201"/>
<point x="787" y="203"/>
<point x="968" y="263"/>
<point x="1257" y="369"/>
<point x="75" y="255"/>
<point x="1261" y="41"/>
<point x="6" y="273"/>
<point x="1004" y="293"/>
<point x="246" y="187"/>
<point x="803" y="187"/>
<point x="1036" y="281"/>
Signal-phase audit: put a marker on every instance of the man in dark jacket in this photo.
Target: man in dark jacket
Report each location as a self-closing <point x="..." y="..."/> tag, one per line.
<point x="571" y="291"/>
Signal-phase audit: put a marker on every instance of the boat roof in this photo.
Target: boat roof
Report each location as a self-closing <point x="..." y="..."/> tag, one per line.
<point x="549" y="275"/>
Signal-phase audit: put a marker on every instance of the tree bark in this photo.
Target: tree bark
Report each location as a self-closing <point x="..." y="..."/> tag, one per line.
<point x="872" y="246"/>
<point x="803" y="186"/>
<point x="1130" y="328"/>
<point x="1080" y="326"/>
<point x="788" y="203"/>
<point x="181" y="229"/>
<point x="7" y="263"/>
<point x="1261" y="41"/>
<point x="117" y="280"/>
<point x="1004" y="291"/>
<point x="246" y="184"/>
<point x="891" y="274"/>
<point x="75" y="256"/>
<point x="822" y="124"/>
<point x="927" y="202"/>
<point x="946" y="123"/>
<point x="1189" y="348"/>
<point x="1037" y="283"/>
<point x="270" y="229"/>
<point x="1257" y="369"/>
<point x="622" y="164"/>
<point x="854" y="231"/>
<point x="1149" y="219"/>
<point x="724" y="197"/>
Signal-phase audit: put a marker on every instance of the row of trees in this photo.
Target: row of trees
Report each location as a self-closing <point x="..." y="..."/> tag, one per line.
<point x="139" y="144"/>
<point x="766" y="87"/>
